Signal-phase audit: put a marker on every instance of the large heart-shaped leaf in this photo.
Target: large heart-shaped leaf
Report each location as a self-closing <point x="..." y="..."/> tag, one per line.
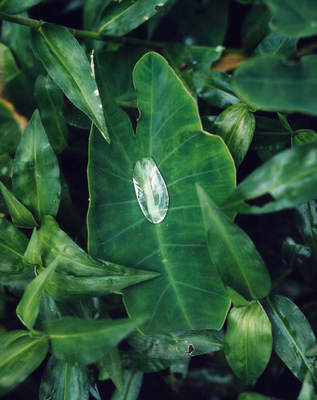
<point x="293" y="83"/>
<point x="171" y="146"/>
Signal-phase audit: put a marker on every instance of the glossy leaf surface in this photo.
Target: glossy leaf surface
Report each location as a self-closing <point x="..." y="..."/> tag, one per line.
<point x="50" y="102"/>
<point x="20" y="215"/>
<point x="248" y="342"/>
<point x="13" y="244"/>
<point x="292" y="335"/>
<point x="294" y="19"/>
<point x="284" y="181"/>
<point x="20" y="356"/>
<point x="63" y="380"/>
<point x="236" y="126"/>
<point x="276" y="43"/>
<point x="93" y="338"/>
<point x="32" y="253"/>
<point x="233" y="253"/>
<point x="127" y="15"/>
<point x="169" y="129"/>
<point x="36" y="180"/>
<point x="67" y="64"/>
<point x="29" y="305"/>
<point x="77" y="272"/>
<point x="293" y="83"/>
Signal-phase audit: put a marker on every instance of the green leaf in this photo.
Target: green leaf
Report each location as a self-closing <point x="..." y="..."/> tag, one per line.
<point x="36" y="179"/>
<point x="121" y="18"/>
<point x="304" y="136"/>
<point x="17" y="6"/>
<point x="168" y="133"/>
<point x="113" y="366"/>
<point x="86" y="341"/>
<point x="183" y="344"/>
<point x="236" y="127"/>
<point x="29" y="305"/>
<point x="93" y="10"/>
<point x="20" y="356"/>
<point x="215" y="88"/>
<point x="63" y="380"/>
<point x="66" y="62"/>
<point x="255" y="25"/>
<point x="278" y="44"/>
<point x="20" y="215"/>
<point x="132" y="386"/>
<point x="292" y="19"/>
<point x="293" y="83"/>
<point x="32" y="253"/>
<point x="79" y="273"/>
<point x="13" y="244"/>
<point x="50" y="102"/>
<point x="11" y="131"/>
<point x="307" y="224"/>
<point x="292" y="334"/>
<point x="284" y="181"/>
<point x="233" y="253"/>
<point x="248" y="342"/>
<point x="307" y="391"/>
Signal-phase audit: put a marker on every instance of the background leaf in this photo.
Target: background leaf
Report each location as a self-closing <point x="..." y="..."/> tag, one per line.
<point x="16" y="6"/>
<point x="66" y="62"/>
<point x="11" y="130"/>
<point x="292" y="335"/>
<point x="168" y="130"/>
<point x="233" y="253"/>
<point x="248" y="342"/>
<point x="93" y="338"/>
<point x="132" y="386"/>
<point x="293" y="83"/>
<point x="36" y="179"/>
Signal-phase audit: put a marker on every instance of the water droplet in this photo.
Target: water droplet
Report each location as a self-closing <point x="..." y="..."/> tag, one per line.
<point x="96" y="92"/>
<point x="150" y="190"/>
<point x="219" y="49"/>
<point x="100" y="106"/>
<point x="146" y="18"/>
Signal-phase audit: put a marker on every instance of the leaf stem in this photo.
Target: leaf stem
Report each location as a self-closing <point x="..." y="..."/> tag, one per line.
<point x="36" y="24"/>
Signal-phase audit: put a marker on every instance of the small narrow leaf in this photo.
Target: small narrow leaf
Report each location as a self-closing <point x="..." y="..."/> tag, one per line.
<point x="50" y="102"/>
<point x="132" y="386"/>
<point x="63" y="380"/>
<point x="13" y="244"/>
<point x="233" y="253"/>
<point x="36" y="179"/>
<point x="20" y="356"/>
<point x="307" y="391"/>
<point x="236" y="126"/>
<point x="67" y="64"/>
<point x="93" y="338"/>
<point x="284" y="181"/>
<point x="29" y="305"/>
<point x="32" y="253"/>
<point x="20" y="215"/>
<point x="248" y="342"/>
<point x="304" y="136"/>
<point x="292" y="334"/>
<point x="113" y="366"/>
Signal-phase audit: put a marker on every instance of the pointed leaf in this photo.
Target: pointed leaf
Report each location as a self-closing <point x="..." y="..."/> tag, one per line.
<point x="284" y="181"/>
<point x="63" y="380"/>
<point x="19" y="358"/>
<point x="132" y="386"/>
<point x="304" y="136"/>
<point x="113" y="366"/>
<point x="292" y="334"/>
<point x="13" y="244"/>
<point x="168" y="133"/>
<point x="36" y="179"/>
<point x="233" y="253"/>
<point x="66" y="62"/>
<point x="248" y="342"/>
<point x="307" y="391"/>
<point x="29" y="305"/>
<point x="293" y="19"/>
<point x="121" y="18"/>
<point x="236" y="126"/>
<point x="93" y="338"/>
<point x="50" y="102"/>
<point x="293" y="83"/>
<point x="32" y="253"/>
<point x="16" y="6"/>
<point x="20" y="215"/>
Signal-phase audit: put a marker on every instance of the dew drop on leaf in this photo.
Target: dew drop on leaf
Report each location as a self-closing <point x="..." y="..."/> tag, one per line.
<point x="150" y="189"/>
